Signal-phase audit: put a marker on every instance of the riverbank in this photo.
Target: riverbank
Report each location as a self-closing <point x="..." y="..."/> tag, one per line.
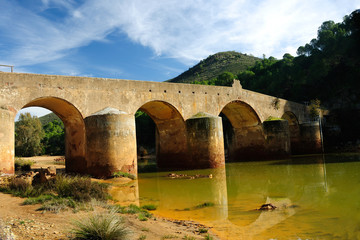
<point x="25" y="222"/>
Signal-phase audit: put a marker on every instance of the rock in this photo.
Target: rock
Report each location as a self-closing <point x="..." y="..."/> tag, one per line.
<point x="267" y="207"/>
<point x="40" y="177"/>
<point x="51" y="171"/>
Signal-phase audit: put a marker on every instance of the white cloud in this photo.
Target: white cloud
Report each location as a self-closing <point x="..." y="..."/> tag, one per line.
<point x="187" y="30"/>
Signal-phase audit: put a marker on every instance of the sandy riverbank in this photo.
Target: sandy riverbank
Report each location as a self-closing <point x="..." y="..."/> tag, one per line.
<point x="25" y="222"/>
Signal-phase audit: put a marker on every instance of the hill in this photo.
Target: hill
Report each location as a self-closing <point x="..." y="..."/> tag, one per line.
<point x="216" y="64"/>
<point x="49" y="118"/>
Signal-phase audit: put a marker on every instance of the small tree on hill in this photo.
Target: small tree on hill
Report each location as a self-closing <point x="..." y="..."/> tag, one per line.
<point x="28" y="135"/>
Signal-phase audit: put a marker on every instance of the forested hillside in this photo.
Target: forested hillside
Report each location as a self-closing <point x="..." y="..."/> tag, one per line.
<point x="327" y="68"/>
<point x="215" y="65"/>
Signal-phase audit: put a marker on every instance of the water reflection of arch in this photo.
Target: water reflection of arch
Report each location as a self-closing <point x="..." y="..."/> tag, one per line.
<point x="171" y="145"/>
<point x="294" y="130"/>
<point x="247" y="140"/>
<point x="74" y="130"/>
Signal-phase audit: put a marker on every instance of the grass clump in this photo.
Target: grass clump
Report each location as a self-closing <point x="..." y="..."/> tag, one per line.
<point x="204" y="205"/>
<point x="142" y="237"/>
<point x="23" y="165"/>
<point x="143" y="214"/>
<point x="58" y="204"/>
<point x="203" y="230"/>
<point x="142" y="217"/>
<point x="39" y="199"/>
<point x="169" y="236"/>
<point x="124" y="174"/>
<point x="104" y="226"/>
<point x="208" y="237"/>
<point x="149" y="207"/>
<point x="80" y="188"/>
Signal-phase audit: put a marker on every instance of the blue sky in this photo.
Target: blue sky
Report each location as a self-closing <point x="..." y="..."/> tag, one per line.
<point x="152" y="40"/>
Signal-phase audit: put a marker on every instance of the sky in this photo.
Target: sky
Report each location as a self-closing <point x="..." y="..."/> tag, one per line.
<point x="152" y="40"/>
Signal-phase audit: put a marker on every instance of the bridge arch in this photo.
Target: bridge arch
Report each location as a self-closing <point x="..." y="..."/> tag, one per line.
<point x="74" y="130"/>
<point x="171" y="143"/>
<point x="244" y="137"/>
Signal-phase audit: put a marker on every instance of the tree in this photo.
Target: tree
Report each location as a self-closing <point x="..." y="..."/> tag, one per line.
<point x="28" y="135"/>
<point x="225" y="79"/>
<point x="54" y="139"/>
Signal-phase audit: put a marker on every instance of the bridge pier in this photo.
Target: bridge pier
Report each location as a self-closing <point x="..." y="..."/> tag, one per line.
<point x="171" y="148"/>
<point x="7" y="141"/>
<point x="308" y="140"/>
<point x="205" y="141"/>
<point x="247" y="143"/>
<point x="111" y="143"/>
<point x="277" y="138"/>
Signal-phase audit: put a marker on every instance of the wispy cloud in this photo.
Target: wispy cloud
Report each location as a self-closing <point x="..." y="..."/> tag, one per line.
<point x="187" y="30"/>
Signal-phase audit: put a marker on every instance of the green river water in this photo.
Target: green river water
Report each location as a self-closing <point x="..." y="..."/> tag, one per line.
<point x="317" y="197"/>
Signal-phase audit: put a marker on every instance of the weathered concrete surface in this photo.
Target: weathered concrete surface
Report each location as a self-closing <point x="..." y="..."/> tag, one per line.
<point x="111" y="143"/>
<point x="169" y="105"/>
<point x="205" y="140"/>
<point x="277" y="138"/>
<point x="7" y="141"/>
<point x="310" y="138"/>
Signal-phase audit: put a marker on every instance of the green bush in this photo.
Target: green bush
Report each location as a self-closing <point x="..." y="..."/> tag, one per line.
<point x="23" y="165"/>
<point x="104" y="226"/>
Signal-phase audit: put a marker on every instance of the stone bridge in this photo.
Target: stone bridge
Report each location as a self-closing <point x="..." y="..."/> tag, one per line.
<point x="98" y="115"/>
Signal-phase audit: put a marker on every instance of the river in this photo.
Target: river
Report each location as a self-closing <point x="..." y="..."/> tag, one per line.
<point x="317" y="197"/>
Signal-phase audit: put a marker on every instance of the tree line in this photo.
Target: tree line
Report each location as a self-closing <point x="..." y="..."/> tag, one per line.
<point x="327" y="68"/>
<point x="32" y="138"/>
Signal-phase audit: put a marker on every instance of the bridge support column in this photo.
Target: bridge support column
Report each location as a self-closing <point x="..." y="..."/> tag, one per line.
<point x="111" y="143"/>
<point x="171" y="148"/>
<point x="205" y="141"/>
<point x="248" y="143"/>
<point x="309" y="139"/>
<point x="7" y="141"/>
<point x="277" y="138"/>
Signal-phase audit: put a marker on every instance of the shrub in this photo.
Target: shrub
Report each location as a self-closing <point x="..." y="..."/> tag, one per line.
<point x="203" y="230"/>
<point x="23" y="165"/>
<point x="105" y="226"/>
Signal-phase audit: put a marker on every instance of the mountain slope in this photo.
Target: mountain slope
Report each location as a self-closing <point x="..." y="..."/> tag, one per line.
<point x="216" y="64"/>
<point x="49" y="118"/>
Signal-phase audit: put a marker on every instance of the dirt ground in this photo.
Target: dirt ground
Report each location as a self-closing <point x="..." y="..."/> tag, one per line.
<point x="25" y="222"/>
